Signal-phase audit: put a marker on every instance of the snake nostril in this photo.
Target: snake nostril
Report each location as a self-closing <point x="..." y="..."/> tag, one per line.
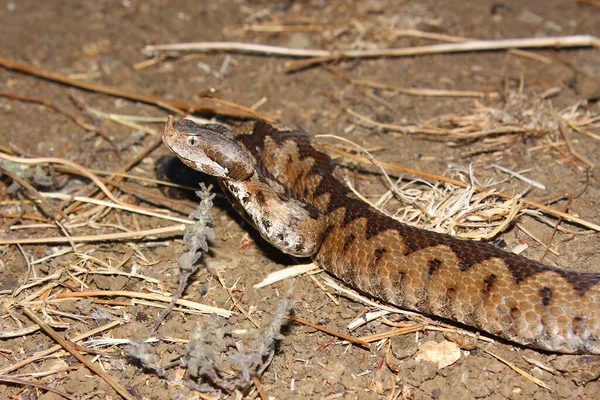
<point x="192" y="140"/>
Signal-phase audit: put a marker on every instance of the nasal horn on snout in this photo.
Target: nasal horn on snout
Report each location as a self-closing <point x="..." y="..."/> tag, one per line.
<point x="209" y="148"/>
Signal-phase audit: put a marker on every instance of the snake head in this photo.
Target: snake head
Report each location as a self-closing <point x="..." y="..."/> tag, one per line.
<point x="208" y="148"/>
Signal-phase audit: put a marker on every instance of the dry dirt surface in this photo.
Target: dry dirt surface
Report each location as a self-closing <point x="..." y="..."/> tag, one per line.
<point x="530" y="112"/>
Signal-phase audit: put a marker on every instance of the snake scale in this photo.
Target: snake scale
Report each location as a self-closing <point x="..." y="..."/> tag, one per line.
<point x="290" y="192"/>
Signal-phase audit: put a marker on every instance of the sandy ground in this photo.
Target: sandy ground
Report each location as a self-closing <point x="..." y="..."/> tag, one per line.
<point x="101" y="42"/>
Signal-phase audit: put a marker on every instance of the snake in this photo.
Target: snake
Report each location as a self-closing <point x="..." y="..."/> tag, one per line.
<point x="290" y="191"/>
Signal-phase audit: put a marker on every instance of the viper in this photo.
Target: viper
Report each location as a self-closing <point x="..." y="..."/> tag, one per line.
<point x="290" y="191"/>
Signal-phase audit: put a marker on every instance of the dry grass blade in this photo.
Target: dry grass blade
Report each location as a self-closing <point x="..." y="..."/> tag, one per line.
<point x="81" y="169"/>
<point x="120" y="206"/>
<point x="425" y="92"/>
<point x="514" y="210"/>
<point x="68" y="346"/>
<point x="156" y="297"/>
<point x="520" y="176"/>
<point x="401" y="128"/>
<point x="573" y="152"/>
<point x="157" y="141"/>
<point x="236" y="304"/>
<point x="145" y="234"/>
<point x="129" y="176"/>
<point x="282" y="274"/>
<point x="26" y="217"/>
<point x="518" y="370"/>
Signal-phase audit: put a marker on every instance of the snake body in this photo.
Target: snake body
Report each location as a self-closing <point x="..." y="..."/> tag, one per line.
<point x="289" y="190"/>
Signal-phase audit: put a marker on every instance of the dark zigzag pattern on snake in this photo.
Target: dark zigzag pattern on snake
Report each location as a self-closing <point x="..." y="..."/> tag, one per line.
<point x="473" y="283"/>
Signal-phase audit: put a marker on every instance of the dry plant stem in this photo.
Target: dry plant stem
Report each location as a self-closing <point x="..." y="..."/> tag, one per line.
<point x="381" y="306"/>
<point x="146" y="195"/>
<point x="459" y="39"/>
<point x="148" y="296"/>
<point x="529" y="203"/>
<point x="30" y="269"/>
<point x="519" y="371"/>
<point x="234" y="106"/>
<point x="70" y="116"/>
<point x="130" y="164"/>
<point x="573" y="152"/>
<point x="259" y="387"/>
<point x="141" y="235"/>
<point x="19" y="333"/>
<point x="111" y="91"/>
<point x="34" y="192"/>
<point x="423" y="91"/>
<point x="127" y="122"/>
<point x="270" y="28"/>
<point x="6" y="150"/>
<point x="347" y="338"/>
<point x="236" y="304"/>
<point x="475" y="45"/>
<point x="68" y="346"/>
<point x="404" y="129"/>
<point x="76" y="166"/>
<point x="286" y="273"/>
<point x="411" y="91"/>
<point x="30" y="217"/>
<point x="24" y="382"/>
<point x="117" y="206"/>
<point x="53" y="349"/>
<point x="127" y="176"/>
<point x="548" y="245"/>
<point x="444" y="48"/>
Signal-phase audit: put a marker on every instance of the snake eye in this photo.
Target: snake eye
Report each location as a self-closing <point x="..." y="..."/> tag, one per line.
<point x="192" y="140"/>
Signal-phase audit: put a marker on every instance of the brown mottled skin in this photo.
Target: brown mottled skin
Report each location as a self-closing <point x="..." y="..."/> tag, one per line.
<point x="473" y="283"/>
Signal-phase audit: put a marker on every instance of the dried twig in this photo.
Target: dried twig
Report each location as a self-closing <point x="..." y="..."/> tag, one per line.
<point x="426" y="92"/>
<point x="53" y="349"/>
<point x="78" y="121"/>
<point x="350" y="339"/>
<point x="320" y="56"/>
<point x="70" y="347"/>
<point x="19" y="381"/>
<point x="83" y="170"/>
<point x="124" y="206"/>
<point x="34" y="192"/>
<point x="149" y="296"/>
<point x="475" y="45"/>
<point x="111" y="91"/>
